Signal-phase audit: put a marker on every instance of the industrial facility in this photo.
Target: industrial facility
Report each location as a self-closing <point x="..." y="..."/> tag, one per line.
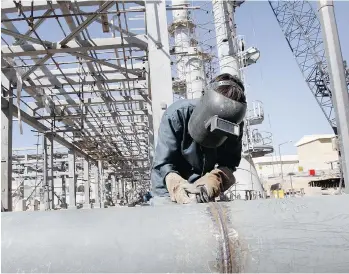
<point x="84" y="87"/>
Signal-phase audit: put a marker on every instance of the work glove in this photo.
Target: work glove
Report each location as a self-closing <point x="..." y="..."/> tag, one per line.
<point x="180" y="190"/>
<point x="208" y="187"/>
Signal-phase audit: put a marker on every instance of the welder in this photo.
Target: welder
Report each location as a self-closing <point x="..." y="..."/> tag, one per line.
<point x="199" y="143"/>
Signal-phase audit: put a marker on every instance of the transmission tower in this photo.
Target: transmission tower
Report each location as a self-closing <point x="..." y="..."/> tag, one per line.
<point x="302" y="30"/>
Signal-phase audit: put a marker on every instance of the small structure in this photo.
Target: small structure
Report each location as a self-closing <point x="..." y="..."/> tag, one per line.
<point x="316" y="152"/>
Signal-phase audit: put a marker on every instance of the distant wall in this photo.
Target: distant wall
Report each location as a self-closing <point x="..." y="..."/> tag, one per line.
<point x="272" y="169"/>
<point x="315" y="154"/>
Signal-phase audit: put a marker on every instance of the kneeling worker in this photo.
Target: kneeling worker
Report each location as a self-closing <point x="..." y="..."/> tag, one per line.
<point x="199" y="143"/>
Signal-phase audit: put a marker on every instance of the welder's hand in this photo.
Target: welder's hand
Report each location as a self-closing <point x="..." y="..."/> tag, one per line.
<point x="212" y="184"/>
<point x="179" y="189"/>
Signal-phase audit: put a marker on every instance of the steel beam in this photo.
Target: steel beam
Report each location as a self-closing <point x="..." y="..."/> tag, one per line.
<point x="126" y="32"/>
<point x="31" y="121"/>
<point x="260" y="236"/>
<point x="39" y="22"/>
<point x="47" y="83"/>
<point x="100" y="183"/>
<point x="50" y="171"/>
<point x="24" y="37"/>
<point x="7" y="6"/>
<point x="86" y="168"/>
<point x="340" y="95"/>
<point x="97" y="203"/>
<point x="89" y="20"/>
<point x="108" y="64"/>
<point x="92" y="101"/>
<point x="159" y="61"/>
<point x="44" y="197"/>
<point x="138" y="41"/>
<point x="72" y="180"/>
<point x="6" y="144"/>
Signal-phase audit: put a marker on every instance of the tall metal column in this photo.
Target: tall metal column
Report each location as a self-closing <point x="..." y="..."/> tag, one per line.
<point x="6" y="147"/>
<point x="100" y="183"/>
<point x="87" y="183"/>
<point x="340" y="96"/>
<point x="64" y="192"/>
<point x="189" y="62"/>
<point x="97" y="203"/>
<point x="72" y="180"/>
<point x="51" y="185"/>
<point x="113" y="188"/>
<point x="223" y="12"/>
<point x="159" y="61"/>
<point x="45" y="199"/>
<point x="246" y="175"/>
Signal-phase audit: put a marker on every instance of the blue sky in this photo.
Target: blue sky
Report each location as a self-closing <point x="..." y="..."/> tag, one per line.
<point x="275" y="80"/>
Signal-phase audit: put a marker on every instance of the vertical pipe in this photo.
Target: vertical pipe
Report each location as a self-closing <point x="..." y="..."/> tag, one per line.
<point x="340" y="97"/>
<point x="100" y="183"/>
<point x="87" y="184"/>
<point x="96" y="188"/>
<point x="6" y="148"/>
<point x="113" y="189"/>
<point x="64" y="192"/>
<point x="45" y="203"/>
<point x="72" y="180"/>
<point x="223" y="13"/>
<point x="50" y="173"/>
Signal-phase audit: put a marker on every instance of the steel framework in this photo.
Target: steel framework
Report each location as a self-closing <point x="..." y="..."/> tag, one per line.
<point x="302" y="30"/>
<point x="89" y="90"/>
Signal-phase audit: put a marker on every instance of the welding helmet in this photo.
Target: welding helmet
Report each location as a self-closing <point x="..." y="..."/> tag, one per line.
<point x="216" y="116"/>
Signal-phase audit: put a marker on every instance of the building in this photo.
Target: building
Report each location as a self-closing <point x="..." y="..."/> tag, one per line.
<point x="313" y="170"/>
<point x="317" y="152"/>
<point x="270" y="166"/>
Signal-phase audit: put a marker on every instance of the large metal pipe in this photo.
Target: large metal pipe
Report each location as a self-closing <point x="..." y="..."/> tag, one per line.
<point x="291" y="235"/>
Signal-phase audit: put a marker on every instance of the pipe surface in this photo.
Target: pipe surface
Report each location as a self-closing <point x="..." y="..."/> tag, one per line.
<point x="289" y="235"/>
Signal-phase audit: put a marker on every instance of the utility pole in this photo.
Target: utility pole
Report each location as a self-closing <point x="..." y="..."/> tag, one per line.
<point x="340" y="96"/>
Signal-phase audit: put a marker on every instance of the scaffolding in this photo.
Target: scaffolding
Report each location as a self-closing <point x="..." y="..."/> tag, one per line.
<point x="78" y="73"/>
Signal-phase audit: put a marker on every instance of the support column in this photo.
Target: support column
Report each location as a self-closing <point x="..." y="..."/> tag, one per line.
<point x="97" y="203"/>
<point x="223" y="13"/>
<point x="51" y="185"/>
<point x="64" y="192"/>
<point x="113" y="189"/>
<point x="44" y="197"/>
<point x="122" y="189"/>
<point x="95" y="187"/>
<point x="87" y="203"/>
<point x="100" y="183"/>
<point x="72" y="180"/>
<point x="160" y="80"/>
<point x="6" y="148"/>
<point x="340" y="96"/>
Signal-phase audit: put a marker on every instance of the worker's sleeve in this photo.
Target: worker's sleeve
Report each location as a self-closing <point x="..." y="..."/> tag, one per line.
<point x="167" y="153"/>
<point x="229" y="154"/>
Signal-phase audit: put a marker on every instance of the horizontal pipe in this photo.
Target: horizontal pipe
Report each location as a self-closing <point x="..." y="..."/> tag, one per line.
<point x="291" y="235"/>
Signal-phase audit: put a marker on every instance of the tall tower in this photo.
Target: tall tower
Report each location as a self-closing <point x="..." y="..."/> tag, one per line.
<point x="232" y="58"/>
<point x="190" y="78"/>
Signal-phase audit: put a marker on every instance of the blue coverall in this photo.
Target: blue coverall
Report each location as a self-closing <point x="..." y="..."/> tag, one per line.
<point x="176" y="151"/>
